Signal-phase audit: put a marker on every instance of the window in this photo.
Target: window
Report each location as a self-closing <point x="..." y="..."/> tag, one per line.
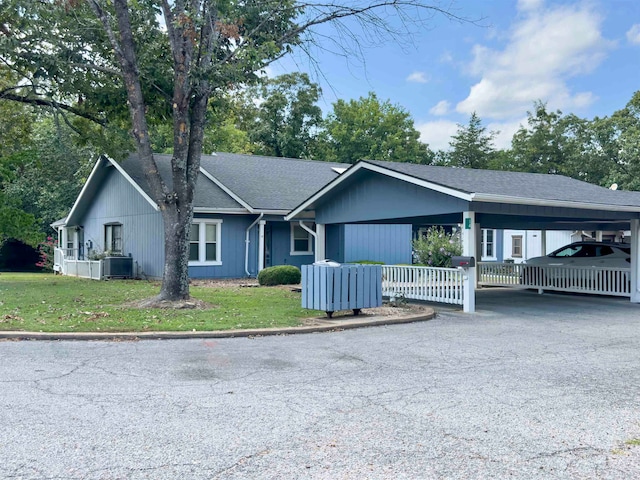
<point x="488" y="244"/>
<point x="300" y="241"/>
<point x="516" y="246"/>
<point x="113" y="238"/>
<point x="204" y="242"/>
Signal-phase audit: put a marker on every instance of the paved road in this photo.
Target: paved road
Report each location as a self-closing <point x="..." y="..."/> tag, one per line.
<point x="543" y="387"/>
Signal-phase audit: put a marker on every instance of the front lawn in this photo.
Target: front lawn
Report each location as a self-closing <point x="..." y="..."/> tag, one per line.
<point x="54" y="303"/>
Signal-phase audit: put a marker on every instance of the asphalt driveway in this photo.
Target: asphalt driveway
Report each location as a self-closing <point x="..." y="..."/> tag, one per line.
<point x="536" y="387"/>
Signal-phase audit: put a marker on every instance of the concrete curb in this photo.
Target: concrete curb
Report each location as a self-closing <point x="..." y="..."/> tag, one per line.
<point x="323" y="325"/>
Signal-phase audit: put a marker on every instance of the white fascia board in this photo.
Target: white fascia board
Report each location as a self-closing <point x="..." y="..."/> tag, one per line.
<point x="230" y="211"/>
<point x="493" y="198"/>
<point x="133" y="183"/>
<point x="271" y="212"/>
<point x="85" y="186"/>
<point x="227" y="190"/>
<point x="383" y="171"/>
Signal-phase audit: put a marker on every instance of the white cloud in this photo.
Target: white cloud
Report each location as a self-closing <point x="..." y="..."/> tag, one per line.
<point x="528" y="5"/>
<point x="437" y="134"/>
<point x="418" y="77"/>
<point x="633" y="34"/>
<point x="440" y="108"/>
<point x="545" y="49"/>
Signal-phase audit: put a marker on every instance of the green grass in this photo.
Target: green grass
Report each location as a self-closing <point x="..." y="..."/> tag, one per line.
<point x="48" y="303"/>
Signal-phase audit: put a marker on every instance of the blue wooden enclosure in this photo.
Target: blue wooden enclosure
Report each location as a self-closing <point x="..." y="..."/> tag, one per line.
<point x="341" y="288"/>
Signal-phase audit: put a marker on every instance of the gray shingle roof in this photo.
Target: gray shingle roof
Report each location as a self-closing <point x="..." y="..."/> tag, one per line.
<point x="264" y="183"/>
<point x="270" y="183"/>
<point x="208" y="195"/>
<point x="515" y="184"/>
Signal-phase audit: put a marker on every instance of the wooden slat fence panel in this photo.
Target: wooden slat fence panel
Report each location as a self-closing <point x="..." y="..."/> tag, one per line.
<point x="593" y="280"/>
<point x="443" y="285"/>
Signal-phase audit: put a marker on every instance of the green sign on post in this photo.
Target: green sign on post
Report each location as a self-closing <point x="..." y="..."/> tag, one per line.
<point x="467" y="224"/>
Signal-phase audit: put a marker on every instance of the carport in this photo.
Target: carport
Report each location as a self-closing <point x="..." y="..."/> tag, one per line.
<point x="387" y="192"/>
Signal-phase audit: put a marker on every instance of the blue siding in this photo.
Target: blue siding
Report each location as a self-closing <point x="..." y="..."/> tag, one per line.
<point x="390" y="244"/>
<point x="334" y="235"/>
<point x="376" y="197"/>
<point x="232" y="248"/>
<point x="118" y="201"/>
<point x="281" y="247"/>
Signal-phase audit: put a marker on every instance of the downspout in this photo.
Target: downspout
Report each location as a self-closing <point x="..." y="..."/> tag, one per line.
<point x="246" y="244"/>
<point x="308" y="229"/>
<point x="315" y="238"/>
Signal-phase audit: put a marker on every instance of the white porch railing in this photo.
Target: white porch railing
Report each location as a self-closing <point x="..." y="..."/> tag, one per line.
<point x="65" y="262"/>
<point x="431" y="284"/>
<point x="594" y="280"/>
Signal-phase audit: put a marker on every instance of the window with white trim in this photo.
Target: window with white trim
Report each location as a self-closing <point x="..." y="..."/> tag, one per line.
<point x="204" y="242"/>
<point x="489" y="244"/>
<point x="301" y="241"/>
<point x="516" y="246"/>
<point x="113" y="238"/>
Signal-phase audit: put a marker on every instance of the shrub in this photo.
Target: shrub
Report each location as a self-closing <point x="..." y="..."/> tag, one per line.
<point x="437" y="247"/>
<point x="45" y="250"/>
<point x="367" y="262"/>
<point x="280" y="275"/>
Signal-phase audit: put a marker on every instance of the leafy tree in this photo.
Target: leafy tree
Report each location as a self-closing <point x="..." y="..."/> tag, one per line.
<point x="538" y="147"/>
<point x="619" y="139"/>
<point x="97" y="58"/>
<point x="17" y="224"/>
<point x="367" y="129"/>
<point x="50" y="174"/>
<point x="287" y="116"/>
<point x="472" y="146"/>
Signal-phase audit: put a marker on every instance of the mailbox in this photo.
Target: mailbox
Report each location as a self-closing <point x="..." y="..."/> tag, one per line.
<point x="464" y="262"/>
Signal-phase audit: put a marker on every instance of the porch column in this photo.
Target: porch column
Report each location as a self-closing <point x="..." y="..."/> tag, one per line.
<point x="261" y="225"/>
<point x="635" y="263"/>
<point x="320" y="242"/>
<point x="478" y="247"/>
<point x="543" y="242"/>
<point x="469" y="250"/>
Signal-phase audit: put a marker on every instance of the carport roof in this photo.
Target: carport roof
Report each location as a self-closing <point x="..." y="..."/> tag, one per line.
<point x="491" y="186"/>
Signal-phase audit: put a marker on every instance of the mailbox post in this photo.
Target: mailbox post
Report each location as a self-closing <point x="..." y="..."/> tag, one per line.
<point x="468" y="267"/>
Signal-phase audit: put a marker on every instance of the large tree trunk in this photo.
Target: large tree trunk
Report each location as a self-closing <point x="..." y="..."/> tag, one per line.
<point x="175" y="278"/>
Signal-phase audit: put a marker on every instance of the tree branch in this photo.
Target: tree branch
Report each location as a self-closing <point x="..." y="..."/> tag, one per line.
<point x="43" y="102"/>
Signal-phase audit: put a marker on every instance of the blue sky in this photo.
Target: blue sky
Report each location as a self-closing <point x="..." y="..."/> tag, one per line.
<point x="581" y="57"/>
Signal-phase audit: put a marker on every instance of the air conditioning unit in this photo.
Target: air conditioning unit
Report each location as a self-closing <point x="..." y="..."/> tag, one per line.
<point x="117" y="267"/>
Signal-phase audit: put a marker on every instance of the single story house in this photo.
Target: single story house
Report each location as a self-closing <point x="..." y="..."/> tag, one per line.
<point x="238" y="227"/>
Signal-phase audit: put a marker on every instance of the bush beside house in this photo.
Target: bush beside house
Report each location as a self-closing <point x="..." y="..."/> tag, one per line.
<point x="436" y="247"/>
<point x="280" y="275"/>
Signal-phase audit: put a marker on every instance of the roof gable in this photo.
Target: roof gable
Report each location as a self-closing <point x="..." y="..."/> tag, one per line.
<point x="92" y="186"/>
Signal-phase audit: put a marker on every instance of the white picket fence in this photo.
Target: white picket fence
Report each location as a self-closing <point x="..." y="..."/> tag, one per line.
<point x="443" y="285"/>
<point x="66" y="263"/>
<point x="594" y="280"/>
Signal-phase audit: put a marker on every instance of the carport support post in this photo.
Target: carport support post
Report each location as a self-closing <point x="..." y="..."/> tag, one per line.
<point x="635" y="260"/>
<point x="469" y="250"/>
